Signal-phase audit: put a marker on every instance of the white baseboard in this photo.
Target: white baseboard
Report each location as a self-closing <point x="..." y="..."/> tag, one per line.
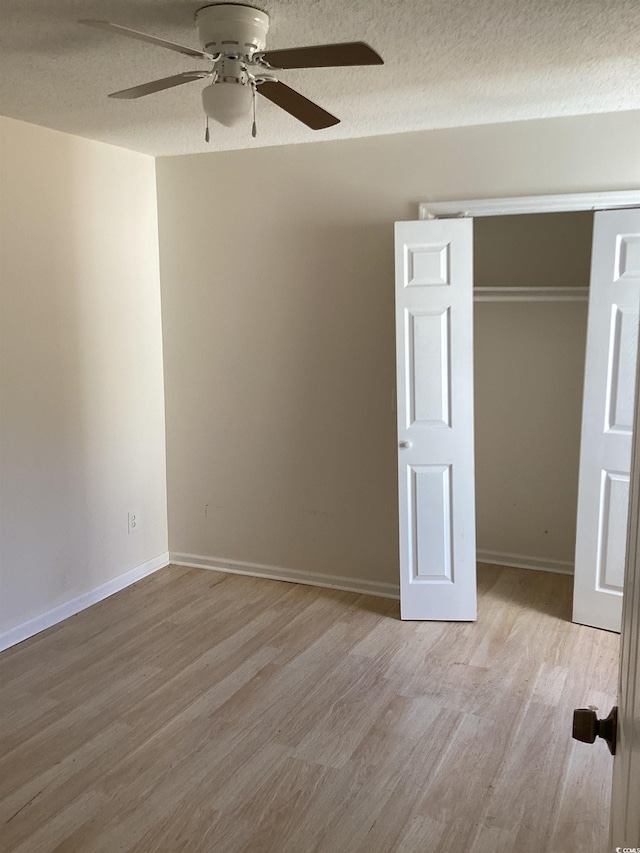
<point x="365" y="587"/>
<point x="80" y="602"/>
<point x="277" y="573"/>
<point x="197" y="561"/>
<point x="521" y="561"/>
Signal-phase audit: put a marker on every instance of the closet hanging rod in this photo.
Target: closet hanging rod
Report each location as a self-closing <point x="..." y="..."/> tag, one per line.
<point x="530" y="294"/>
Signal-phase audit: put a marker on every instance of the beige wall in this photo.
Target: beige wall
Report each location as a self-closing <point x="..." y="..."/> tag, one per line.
<point x="81" y="395"/>
<point x="537" y="250"/>
<point x="277" y="277"/>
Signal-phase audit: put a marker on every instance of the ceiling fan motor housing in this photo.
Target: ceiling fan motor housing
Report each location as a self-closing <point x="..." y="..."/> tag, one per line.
<point x="232" y="29"/>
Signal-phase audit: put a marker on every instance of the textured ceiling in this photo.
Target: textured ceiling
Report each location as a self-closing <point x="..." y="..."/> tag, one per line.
<point x="447" y="63"/>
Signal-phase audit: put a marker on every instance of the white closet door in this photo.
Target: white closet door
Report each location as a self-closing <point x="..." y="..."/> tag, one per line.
<point x="607" y="419"/>
<point x="434" y="340"/>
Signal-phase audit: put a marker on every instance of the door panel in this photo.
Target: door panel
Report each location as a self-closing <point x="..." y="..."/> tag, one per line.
<point x="607" y="417"/>
<point x="434" y="339"/>
<point x="429" y="393"/>
<point x="623" y="349"/>
<point x="430" y="501"/>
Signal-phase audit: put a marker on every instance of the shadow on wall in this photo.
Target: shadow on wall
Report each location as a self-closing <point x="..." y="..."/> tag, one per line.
<point x="44" y="488"/>
<point x="295" y="350"/>
<point x="82" y="415"/>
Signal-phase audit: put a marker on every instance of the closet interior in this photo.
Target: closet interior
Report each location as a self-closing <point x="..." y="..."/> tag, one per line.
<point x="531" y="285"/>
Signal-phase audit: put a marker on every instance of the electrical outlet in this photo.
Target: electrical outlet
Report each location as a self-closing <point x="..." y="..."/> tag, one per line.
<point x="134" y="522"/>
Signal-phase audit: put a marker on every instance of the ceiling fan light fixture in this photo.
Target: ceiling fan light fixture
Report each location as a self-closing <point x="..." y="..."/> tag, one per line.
<point x="228" y="102"/>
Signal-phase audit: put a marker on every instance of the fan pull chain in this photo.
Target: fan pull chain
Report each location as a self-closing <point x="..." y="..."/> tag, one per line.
<point x="254" y="128"/>
<point x="206" y="131"/>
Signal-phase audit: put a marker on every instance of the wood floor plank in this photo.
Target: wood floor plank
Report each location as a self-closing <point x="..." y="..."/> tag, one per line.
<point x="420" y="833"/>
<point x="32" y="803"/>
<point x="54" y="832"/>
<point x="473" y="759"/>
<point x="197" y="711"/>
<point x="105" y="627"/>
<point x="576" y="825"/>
<point x="53" y="743"/>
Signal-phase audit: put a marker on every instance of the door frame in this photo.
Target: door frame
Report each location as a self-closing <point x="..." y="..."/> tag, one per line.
<point x="513" y="205"/>
<point x="625" y="815"/>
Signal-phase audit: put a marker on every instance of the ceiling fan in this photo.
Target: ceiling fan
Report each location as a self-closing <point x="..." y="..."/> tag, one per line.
<point x="233" y="38"/>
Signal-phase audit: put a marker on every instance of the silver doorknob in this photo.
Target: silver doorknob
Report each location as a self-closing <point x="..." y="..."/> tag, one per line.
<point x="405" y="444"/>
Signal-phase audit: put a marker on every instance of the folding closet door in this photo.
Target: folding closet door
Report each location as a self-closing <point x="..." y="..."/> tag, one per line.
<point x="607" y="419"/>
<point x="434" y="356"/>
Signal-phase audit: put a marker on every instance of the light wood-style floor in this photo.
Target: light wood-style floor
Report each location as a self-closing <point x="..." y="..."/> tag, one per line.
<point x="198" y="711"/>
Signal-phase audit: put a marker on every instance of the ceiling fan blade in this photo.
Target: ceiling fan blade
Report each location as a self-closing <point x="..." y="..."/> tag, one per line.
<point x="134" y="34"/>
<point x="323" y="56"/>
<point x="297" y="105"/>
<point x="159" y="85"/>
